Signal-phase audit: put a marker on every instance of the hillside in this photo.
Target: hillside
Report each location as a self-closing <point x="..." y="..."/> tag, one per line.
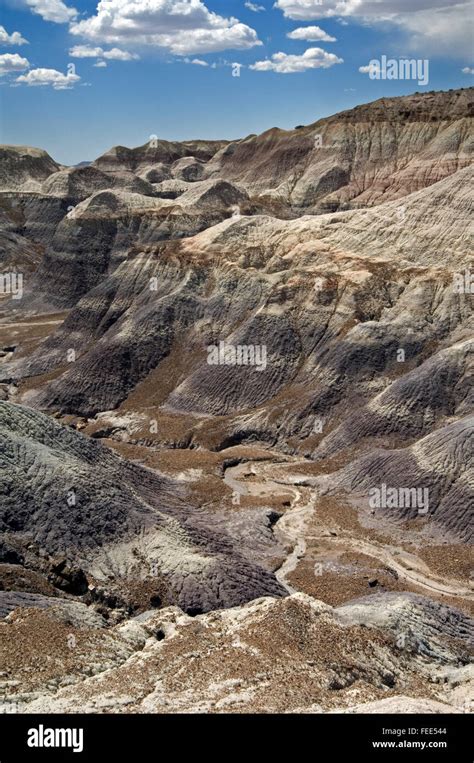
<point x="236" y="419"/>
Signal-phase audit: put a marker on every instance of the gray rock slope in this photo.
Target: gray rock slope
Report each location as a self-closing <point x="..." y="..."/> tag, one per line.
<point x="441" y="463"/>
<point x="329" y="312"/>
<point x="270" y="656"/>
<point x="69" y="495"/>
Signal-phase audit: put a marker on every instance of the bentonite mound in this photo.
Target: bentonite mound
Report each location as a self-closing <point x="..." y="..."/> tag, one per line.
<point x="24" y="168"/>
<point x="77" y="183"/>
<point x="412" y="405"/>
<point x="440" y="464"/>
<point x="69" y="495"/>
<point x="292" y="655"/>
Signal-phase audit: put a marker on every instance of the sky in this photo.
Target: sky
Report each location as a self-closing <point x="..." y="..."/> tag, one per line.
<point x="78" y="77"/>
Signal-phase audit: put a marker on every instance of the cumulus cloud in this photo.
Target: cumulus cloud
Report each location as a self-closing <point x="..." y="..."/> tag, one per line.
<point x="85" y="51"/>
<point x="283" y="63"/>
<point x="196" y="61"/>
<point x="311" y="34"/>
<point x="115" y="54"/>
<point x="14" y="38"/>
<point x="52" y="10"/>
<point x="100" y="65"/>
<point x="317" y="9"/>
<point x="445" y="31"/>
<point x="307" y="10"/>
<point x="431" y="26"/>
<point x="468" y="70"/>
<point x="254" y="7"/>
<point x="178" y="26"/>
<point x="51" y="77"/>
<point x="12" y="62"/>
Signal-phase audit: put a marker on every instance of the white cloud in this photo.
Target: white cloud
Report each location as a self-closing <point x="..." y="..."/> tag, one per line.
<point x="313" y="58"/>
<point x="438" y="27"/>
<point x="115" y="54"/>
<point x="100" y="65"/>
<point x="468" y="70"/>
<point x="445" y="31"/>
<point x="52" y="10"/>
<point x="196" y="61"/>
<point x="178" y="26"/>
<point x="254" y="7"/>
<point x="370" y="68"/>
<point x="14" y="38"/>
<point x="44" y="77"/>
<point x="308" y="10"/>
<point x="311" y="34"/>
<point x="12" y="62"/>
<point x="86" y="51"/>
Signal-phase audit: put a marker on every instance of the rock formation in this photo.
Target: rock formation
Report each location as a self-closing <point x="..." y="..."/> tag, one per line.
<point x="236" y="419"/>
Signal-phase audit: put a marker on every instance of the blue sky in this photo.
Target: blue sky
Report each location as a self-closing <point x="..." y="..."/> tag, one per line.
<point x="92" y="76"/>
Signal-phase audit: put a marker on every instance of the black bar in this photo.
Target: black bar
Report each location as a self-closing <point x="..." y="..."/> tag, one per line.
<point x="155" y="737"/>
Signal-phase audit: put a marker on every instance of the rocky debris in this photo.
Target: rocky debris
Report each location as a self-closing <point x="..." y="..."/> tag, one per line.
<point x="403" y="706"/>
<point x="69" y="611"/>
<point x="50" y="646"/>
<point x="417" y="623"/>
<point x="291" y="655"/>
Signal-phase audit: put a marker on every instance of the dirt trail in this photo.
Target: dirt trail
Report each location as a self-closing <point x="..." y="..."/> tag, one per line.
<point x="383" y="554"/>
<point x="30" y="324"/>
<point x="291" y="532"/>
